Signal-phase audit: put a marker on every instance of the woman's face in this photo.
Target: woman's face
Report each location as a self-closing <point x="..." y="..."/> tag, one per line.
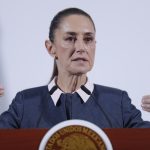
<point x="74" y="45"/>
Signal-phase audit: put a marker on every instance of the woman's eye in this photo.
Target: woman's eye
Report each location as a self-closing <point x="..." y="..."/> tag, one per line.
<point x="70" y="39"/>
<point x="88" y="39"/>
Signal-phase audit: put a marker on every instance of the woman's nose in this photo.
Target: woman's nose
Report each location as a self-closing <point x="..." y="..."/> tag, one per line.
<point x="80" y="46"/>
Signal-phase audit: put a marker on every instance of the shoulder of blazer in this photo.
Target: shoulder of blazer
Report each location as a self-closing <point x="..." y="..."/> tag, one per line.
<point x="101" y="89"/>
<point x="33" y="92"/>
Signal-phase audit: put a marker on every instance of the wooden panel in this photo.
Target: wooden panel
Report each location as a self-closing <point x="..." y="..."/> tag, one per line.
<point x="29" y="139"/>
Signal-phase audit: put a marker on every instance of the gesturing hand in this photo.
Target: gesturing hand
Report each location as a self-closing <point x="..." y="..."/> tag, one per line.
<point x="1" y="90"/>
<point x="146" y="103"/>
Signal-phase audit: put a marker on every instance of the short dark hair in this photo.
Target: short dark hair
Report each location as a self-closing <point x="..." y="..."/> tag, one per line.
<point x="55" y="24"/>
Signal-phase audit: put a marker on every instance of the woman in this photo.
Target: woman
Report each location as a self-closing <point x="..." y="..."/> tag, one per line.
<point x="70" y="95"/>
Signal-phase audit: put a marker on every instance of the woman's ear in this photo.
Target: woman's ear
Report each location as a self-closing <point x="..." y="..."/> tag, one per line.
<point x="50" y="48"/>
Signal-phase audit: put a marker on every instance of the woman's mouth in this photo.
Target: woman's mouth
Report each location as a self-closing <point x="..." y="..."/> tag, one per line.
<point x="79" y="59"/>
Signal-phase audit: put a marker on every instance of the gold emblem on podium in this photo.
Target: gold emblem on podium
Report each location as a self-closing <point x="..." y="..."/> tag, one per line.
<point x="75" y="135"/>
<point x="75" y="138"/>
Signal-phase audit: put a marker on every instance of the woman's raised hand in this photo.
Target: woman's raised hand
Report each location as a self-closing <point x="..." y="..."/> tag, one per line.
<point x="1" y="90"/>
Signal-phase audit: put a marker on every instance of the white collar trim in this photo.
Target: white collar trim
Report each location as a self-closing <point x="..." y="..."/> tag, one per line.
<point x="56" y="95"/>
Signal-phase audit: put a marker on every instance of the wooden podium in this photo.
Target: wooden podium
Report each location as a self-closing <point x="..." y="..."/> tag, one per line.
<point x="29" y="139"/>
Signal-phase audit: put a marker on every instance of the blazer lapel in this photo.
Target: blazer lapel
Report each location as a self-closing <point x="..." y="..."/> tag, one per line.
<point x="52" y="114"/>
